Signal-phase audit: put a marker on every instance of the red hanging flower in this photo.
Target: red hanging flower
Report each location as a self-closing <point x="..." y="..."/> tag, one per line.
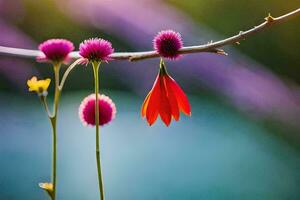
<point x="166" y="99"/>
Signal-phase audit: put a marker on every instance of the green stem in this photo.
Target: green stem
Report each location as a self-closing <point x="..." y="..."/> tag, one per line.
<point x="57" y="90"/>
<point x="44" y="102"/>
<point x="100" y="179"/>
<point x="53" y="120"/>
<point x="54" y="148"/>
<point x="162" y="67"/>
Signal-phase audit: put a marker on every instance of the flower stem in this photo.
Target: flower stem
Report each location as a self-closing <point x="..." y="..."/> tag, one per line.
<point x="100" y="179"/>
<point x="67" y="72"/>
<point x="53" y="120"/>
<point x="44" y="102"/>
<point x="162" y="68"/>
<point x="54" y="147"/>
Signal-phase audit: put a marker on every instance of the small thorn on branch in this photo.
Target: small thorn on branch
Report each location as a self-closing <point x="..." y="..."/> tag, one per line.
<point x="242" y="35"/>
<point x="222" y="52"/>
<point x="131" y="59"/>
<point x="269" y="18"/>
<point x="219" y="51"/>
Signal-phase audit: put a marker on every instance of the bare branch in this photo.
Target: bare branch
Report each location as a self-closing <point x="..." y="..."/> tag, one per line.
<point x="213" y="47"/>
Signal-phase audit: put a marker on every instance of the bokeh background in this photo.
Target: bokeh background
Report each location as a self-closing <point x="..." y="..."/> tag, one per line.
<point x="242" y="141"/>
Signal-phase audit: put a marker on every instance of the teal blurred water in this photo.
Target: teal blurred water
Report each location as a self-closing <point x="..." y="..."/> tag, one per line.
<point x="216" y="154"/>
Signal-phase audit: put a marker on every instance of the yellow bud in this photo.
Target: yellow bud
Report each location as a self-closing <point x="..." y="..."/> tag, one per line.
<point x="48" y="187"/>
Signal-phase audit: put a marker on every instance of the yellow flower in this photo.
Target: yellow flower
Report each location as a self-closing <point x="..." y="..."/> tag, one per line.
<point x="39" y="86"/>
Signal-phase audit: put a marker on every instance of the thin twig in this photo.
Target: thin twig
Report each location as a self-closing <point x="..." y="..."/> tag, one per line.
<point x="69" y="69"/>
<point x="213" y="47"/>
<point x="45" y="104"/>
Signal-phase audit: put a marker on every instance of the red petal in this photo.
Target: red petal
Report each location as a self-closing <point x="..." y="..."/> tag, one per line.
<point x="145" y="104"/>
<point x="153" y="103"/>
<point x="182" y="99"/>
<point x="172" y="101"/>
<point x="164" y="107"/>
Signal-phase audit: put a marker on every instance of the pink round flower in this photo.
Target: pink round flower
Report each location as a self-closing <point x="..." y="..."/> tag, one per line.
<point x="107" y="110"/>
<point x="96" y="49"/>
<point x="167" y="43"/>
<point x="56" y="50"/>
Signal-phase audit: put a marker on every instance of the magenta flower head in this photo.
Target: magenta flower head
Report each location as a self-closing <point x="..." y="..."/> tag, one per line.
<point x="167" y="43"/>
<point x="96" y="50"/>
<point x="107" y="110"/>
<point x="56" y="50"/>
